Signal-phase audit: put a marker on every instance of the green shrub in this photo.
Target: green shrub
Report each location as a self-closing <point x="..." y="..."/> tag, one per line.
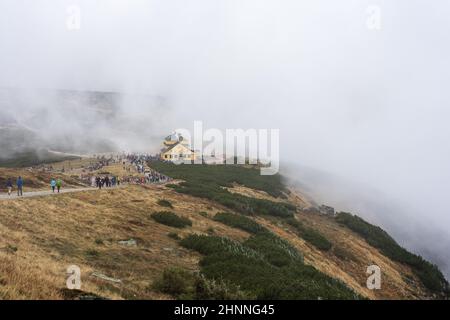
<point x="223" y="175"/>
<point x="165" y="203"/>
<point x="310" y="235"/>
<point x="210" y="182"/>
<point x="275" y="250"/>
<point x="175" y="281"/>
<point x="237" y="202"/>
<point x="11" y="249"/>
<point x="238" y="221"/>
<point x="171" y="219"/>
<point x="209" y="245"/>
<point x="428" y="273"/>
<point x="174" y="236"/>
<point x="203" y="214"/>
<point x="210" y="289"/>
<point x="265" y="267"/>
<point x="185" y="285"/>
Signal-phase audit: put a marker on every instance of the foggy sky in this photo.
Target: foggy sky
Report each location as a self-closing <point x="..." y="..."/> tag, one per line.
<point x="369" y="106"/>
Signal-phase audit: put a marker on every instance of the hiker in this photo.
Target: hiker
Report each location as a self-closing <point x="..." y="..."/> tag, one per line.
<point x="59" y="185"/>
<point x="53" y="184"/>
<point x="19" y="186"/>
<point x="118" y="181"/>
<point x="9" y="186"/>
<point x="98" y="181"/>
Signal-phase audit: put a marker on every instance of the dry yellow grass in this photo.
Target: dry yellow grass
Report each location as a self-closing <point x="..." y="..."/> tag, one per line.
<point x="51" y="233"/>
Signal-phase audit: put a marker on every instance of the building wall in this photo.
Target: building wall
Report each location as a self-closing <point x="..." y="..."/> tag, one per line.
<point x="178" y="153"/>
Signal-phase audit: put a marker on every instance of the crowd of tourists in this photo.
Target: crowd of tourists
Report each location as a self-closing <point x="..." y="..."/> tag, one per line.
<point x="129" y="161"/>
<point x="105" y="181"/>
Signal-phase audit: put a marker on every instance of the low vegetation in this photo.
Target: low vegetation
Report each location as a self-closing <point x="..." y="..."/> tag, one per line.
<point x="428" y="273"/>
<point x="310" y="235"/>
<point x="264" y="266"/>
<point x="174" y="235"/>
<point x="165" y="203"/>
<point x="171" y="219"/>
<point x="223" y="175"/>
<point x="210" y="182"/>
<point x="277" y="251"/>
<point x="186" y="285"/>
<point x="91" y="253"/>
<point x="239" y="221"/>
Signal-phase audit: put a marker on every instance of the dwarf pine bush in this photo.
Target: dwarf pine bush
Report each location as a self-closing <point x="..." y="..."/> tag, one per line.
<point x="210" y="182"/>
<point x="264" y="266"/>
<point x="186" y="285"/>
<point x="310" y="235"/>
<point x="239" y="221"/>
<point x="171" y="219"/>
<point x="165" y="203"/>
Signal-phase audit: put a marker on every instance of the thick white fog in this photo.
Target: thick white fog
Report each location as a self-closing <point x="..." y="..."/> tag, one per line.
<point x="361" y="98"/>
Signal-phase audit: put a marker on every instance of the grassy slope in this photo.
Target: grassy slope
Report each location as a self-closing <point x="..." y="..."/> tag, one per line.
<point x="49" y="234"/>
<point x="198" y="183"/>
<point x="429" y="274"/>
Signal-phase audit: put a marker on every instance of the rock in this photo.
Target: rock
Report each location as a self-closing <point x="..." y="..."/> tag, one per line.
<point x="103" y="277"/>
<point x="130" y="242"/>
<point x="326" y="210"/>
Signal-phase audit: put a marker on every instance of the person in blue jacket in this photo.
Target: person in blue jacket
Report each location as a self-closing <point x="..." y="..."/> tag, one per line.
<point x="53" y="184"/>
<point x="19" y="186"/>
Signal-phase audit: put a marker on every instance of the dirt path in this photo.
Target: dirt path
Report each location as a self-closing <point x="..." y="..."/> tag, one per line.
<point x="4" y="196"/>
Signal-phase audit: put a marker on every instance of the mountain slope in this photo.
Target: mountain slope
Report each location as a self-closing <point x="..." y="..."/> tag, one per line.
<point x="41" y="237"/>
